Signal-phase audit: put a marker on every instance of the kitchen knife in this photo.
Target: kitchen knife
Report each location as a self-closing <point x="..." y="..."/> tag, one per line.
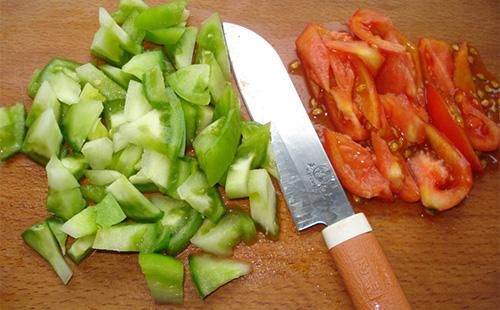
<point x="311" y="188"/>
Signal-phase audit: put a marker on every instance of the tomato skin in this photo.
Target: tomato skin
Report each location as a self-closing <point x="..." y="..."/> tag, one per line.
<point x="355" y="167"/>
<point x="366" y="95"/>
<point x="403" y="116"/>
<point x="364" y="23"/>
<point x="314" y="55"/>
<point x="370" y="56"/>
<point x="396" y="76"/>
<point x="444" y="122"/>
<point x="482" y="132"/>
<point x="443" y="182"/>
<point x="462" y="75"/>
<point x="437" y="64"/>
<point x="395" y="169"/>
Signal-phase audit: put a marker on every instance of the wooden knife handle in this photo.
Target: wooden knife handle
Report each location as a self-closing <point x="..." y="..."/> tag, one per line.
<point x="362" y="264"/>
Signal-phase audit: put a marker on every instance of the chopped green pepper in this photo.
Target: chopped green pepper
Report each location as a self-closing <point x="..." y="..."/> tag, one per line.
<point x="55" y="225"/>
<point x="162" y="16"/>
<point x="11" y="130"/>
<point x="191" y="83"/>
<point x="165" y="36"/>
<point x="79" y="120"/>
<point x="108" y="212"/>
<point x="95" y="193"/>
<point x="45" y="99"/>
<point x="88" y="73"/>
<point x="43" y="139"/>
<point x="40" y="238"/>
<point x="211" y="38"/>
<point x="81" y="224"/>
<point x="99" y="153"/>
<point x="164" y="276"/>
<point x="81" y="248"/>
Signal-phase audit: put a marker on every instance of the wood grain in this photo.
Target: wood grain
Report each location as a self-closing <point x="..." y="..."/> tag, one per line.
<point x="447" y="261"/>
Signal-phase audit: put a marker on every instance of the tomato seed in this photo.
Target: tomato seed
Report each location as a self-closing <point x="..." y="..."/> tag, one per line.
<point x="480" y="93"/>
<point x="481" y="76"/>
<point x="485" y="103"/>
<point x="473" y="51"/>
<point x="317" y="111"/>
<point x="470" y="59"/>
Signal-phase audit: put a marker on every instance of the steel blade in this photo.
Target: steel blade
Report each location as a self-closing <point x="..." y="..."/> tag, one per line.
<point x="307" y="179"/>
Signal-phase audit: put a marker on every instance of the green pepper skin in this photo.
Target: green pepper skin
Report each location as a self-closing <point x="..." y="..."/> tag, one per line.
<point x="161" y="16"/>
<point x="11" y="130"/>
<point x="211" y="38"/>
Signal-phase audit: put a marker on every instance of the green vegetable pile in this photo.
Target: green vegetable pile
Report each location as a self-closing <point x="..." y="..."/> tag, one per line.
<point x="110" y="131"/>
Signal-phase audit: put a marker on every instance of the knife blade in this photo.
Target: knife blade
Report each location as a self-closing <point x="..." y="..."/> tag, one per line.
<point x="311" y="188"/>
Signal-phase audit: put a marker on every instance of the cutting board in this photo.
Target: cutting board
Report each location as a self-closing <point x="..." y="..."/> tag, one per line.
<point x="446" y="261"/>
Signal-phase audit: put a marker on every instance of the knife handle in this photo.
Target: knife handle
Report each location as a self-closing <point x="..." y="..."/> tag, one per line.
<point x="362" y="264"/>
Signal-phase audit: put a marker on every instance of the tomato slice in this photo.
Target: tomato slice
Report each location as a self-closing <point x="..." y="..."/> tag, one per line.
<point x="355" y="167"/>
<point x="443" y="120"/>
<point x="314" y="55"/>
<point x="443" y="182"/>
<point x="395" y="169"/>
<point x="365" y="94"/>
<point x="346" y="121"/>
<point x="483" y="133"/>
<point x="402" y="115"/>
<point x="396" y="76"/>
<point x="462" y="75"/>
<point x="370" y="56"/>
<point x="371" y="27"/>
<point x="437" y="64"/>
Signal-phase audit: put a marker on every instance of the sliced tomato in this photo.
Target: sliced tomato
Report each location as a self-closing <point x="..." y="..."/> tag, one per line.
<point x="462" y="75"/>
<point x="445" y="181"/>
<point x="346" y="121"/>
<point x="371" y="27"/>
<point x="483" y="133"/>
<point x="314" y="55"/>
<point x="437" y="64"/>
<point x="395" y="169"/>
<point x="402" y="115"/>
<point x="355" y="167"/>
<point x="387" y="163"/>
<point x="370" y="56"/>
<point x="365" y="94"/>
<point x="444" y="121"/>
<point x="396" y="76"/>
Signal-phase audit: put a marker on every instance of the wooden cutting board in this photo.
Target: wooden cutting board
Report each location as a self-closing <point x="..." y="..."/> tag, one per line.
<point x="447" y="261"/>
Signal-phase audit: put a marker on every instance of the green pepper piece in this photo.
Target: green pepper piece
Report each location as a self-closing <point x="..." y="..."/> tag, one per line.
<point x="45" y="99"/>
<point x="209" y="272"/>
<point x="118" y="75"/>
<point x="216" y="145"/>
<point x="65" y="203"/>
<point x="142" y="63"/>
<point x="256" y="138"/>
<point x="184" y="167"/>
<point x="98" y="131"/>
<point x="182" y="220"/>
<point x="162" y="131"/>
<point x="236" y="185"/>
<point x="90" y="93"/>
<point x="65" y="85"/>
<point x="164" y="276"/>
<point x="34" y="84"/>
<point x="166" y="36"/>
<point x="211" y="38"/>
<point x="108" y="212"/>
<point x="114" y="114"/>
<point x="81" y="224"/>
<point x="190" y="117"/>
<point x="191" y="83"/>
<point x="88" y="73"/>
<point x="221" y="238"/>
<point x="127" y="7"/>
<point x="154" y="88"/>
<point x="93" y="193"/>
<point x="182" y="51"/>
<point x="79" y="120"/>
<point x="136" y="103"/>
<point x="99" y="153"/>
<point x="40" y="238"/>
<point x="59" y="177"/>
<point x="229" y="101"/>
<point x="263" y="201"/>
<point x="122" y="237"/>
<point x="125" y="160"/>
<point x="11" y="130"/>
<point x="158" y="168"/>
<point x="126" y="42"/>
<point x="106" y="45"/>
<point x="81" y="248"/>
<point x="43" y="139"/>
<point x="54" y="66"/>
<point x="102" y="177"/>
<point x="55" y="225"/>
<point x="76" y="164"/>
<point x="216" y="82"/>
<point x="133" y="202"/>
<point x="204" y="117"/>
<point x="135" y="33"/>
<point x="162" y="16"/>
